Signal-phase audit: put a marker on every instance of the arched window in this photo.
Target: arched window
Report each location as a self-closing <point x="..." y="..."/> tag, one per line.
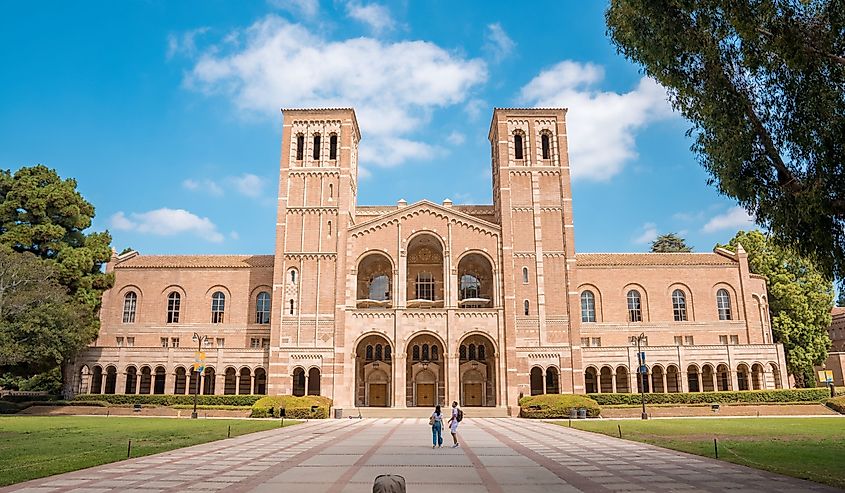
<point x="472" y="355"/>
<point x="424" y="286"/>
<point x="293" y="276"/>
<point x="470" y="287"/>
<point x="526" y="306"/>
<point x="462" y="353"/>
<point x="387" y="353"/>
<point x="517" y="146"/>
<point x="290" y="306"/>
<point x="330" y="229"/>
<point x="262" y="308"/>
<point x="425" y="355"/>
<point x="679" y="305"/>
<point x="434" y="353"/>
<point x="481" y="355"/>
<point x="378" y="352"/>
<point x="368" y="354"/>
<point x="525" y="275"/>
<point x="546" y="145"/>
<point x="723" y="303"/>
<point x="316" y="153"/>
<point x="218" y="307"/>
<point x="379" y="288"/>
<point x="588" y="306"/>
<point x="635" y="308"/>
<point x="331" y="192"/>
<point x="415" y="353"/>
<point x="333" y="147"/>
<point x="300" y="147"/>
<point x="174" y="300"/>
<point x="130" y="302"/>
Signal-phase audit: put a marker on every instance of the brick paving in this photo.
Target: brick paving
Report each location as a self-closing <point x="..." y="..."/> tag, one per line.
<point x="496" y="455"/>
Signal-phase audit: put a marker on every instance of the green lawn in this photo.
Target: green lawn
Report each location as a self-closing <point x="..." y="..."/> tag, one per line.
<point x="808" y="448"/>
<point x="36" y="446"/>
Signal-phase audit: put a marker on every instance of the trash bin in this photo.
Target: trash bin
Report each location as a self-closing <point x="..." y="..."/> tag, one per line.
<point x="573" y="413"/>
<point x="338" y="413"/>
<point x="582" y="413"/>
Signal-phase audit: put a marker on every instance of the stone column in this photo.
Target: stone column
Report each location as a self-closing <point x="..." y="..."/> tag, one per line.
<point x="120" y="382"/>
<point x="684" y="381"/>
<point x="252" y="383"/>
<point x="613" y="382"/>
<point x="734" y="380"/>
<point x="306" y="384"/>
<point x="700" y="382"/>
<point x="400" y="385"/>
<point x="238" y="383"/>
<point x="219" y="383"/>
<point x="665" y="387"/>
<point x="715" y="382"/>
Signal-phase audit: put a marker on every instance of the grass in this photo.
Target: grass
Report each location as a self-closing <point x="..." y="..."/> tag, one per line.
<point x="36" y="446"/>
<point x="807" y="448"/>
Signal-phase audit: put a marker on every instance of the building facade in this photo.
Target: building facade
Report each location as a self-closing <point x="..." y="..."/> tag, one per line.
<point x="836" y="356"/>
<point x="417" y="304"/>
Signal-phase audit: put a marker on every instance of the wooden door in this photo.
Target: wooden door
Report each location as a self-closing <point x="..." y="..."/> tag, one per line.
<point x="472" y="394"/>
<point x="425" y="394"/>
<point x="378" y="395"/>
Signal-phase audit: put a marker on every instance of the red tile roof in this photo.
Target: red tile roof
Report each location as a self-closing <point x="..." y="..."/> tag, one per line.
<point x="196" y="261"/>
<point x="650" y="259"/>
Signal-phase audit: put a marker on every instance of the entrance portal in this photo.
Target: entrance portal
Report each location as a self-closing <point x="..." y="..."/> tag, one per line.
<point x="373" y="371"/>
<point x="425" y="373"/>
<point x="378" y="395"/>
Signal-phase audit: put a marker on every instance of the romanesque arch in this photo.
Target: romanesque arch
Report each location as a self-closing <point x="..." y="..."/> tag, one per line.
<point x="477" y="371"/>
<point x="591" y="384"/>
<point x="375" y="281"/>
<point x="622" y="380"/>
<point x="425" y="371"/>
<point x="111" y="380"/>
<point x="708" y="378"/>
<point x="425" y="273"/>
<point x="723" y="377"/>
<point x="298" y="381"/>
<point x="475" y="281"/>
<point x="97" y="380"/>
<point x="536" y="378"/>
<point x="673" y="379"/>
<point x="373" y="372"/>
<point x="160" y="384"/>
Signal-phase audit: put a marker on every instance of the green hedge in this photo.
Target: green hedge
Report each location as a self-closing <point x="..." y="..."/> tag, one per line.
<point x="295" y="407"/>
<point x="170" y="400"/>
<point x="836" y="403"/>
<point x="556" y="406"/>
<point x="748" y="396"/>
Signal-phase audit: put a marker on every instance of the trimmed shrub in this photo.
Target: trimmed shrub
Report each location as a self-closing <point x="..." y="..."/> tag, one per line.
<point x="747" y="396"/>
<point x="170" y="400"/>
<point x="556" y="406"/>
<point x="295" y="407"/>
<point x="836" y="403"/>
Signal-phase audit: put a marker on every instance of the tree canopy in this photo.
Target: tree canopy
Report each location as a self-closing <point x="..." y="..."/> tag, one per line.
<point x="800" y="298"/>
<point x="763" y="83"/>
<point x="51" y="276"/>
<point x="669" y="243"/>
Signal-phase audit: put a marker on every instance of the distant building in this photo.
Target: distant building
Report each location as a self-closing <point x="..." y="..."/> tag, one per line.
<point x="416" y="304"/>
<point x="836" y="357"/>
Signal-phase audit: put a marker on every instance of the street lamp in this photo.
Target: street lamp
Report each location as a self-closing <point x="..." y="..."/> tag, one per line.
<point x="200" y="340"/>
<point x="641" y="372"/>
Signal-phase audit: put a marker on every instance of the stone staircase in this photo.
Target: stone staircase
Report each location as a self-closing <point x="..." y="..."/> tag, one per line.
<point x="421" y="412"/>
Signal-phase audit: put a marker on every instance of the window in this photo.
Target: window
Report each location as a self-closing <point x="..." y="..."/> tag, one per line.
<point x="525" y="275"/>
<point x="679" y="340"/>
<point x="734" y="340"/>
<point x="679" y="305"/>
<point x="290" y="306"/>
<point x="688" y="340"/>
<point x="471" y="353"/>
<point x="174" y="342"/>
<point x="368" y="353"/>
<point x="130" y="302"/>
<point x="174" y="301"/>
<point x="221" y="342"/>
<point x="265" y="342"/>
<point x="470" y="287"/>
<point x="481" y="352"/>
<point x="425" y="354"/>
<point x="723" y="340"/>
<point x="434" y="353"/>
<point x="164" y="341"/>
<point x="588" y="307"/>
<point x="517" y="146"/>
<point x="331" y="192"/>
<point x="595" y="341"/>
<point x="585" y="341"/>
<point x="262" y="308"/>
<point x="130" y="342"/>
<point x="387" y="353"/>
<point x="526" y="306"/>
<point x="119" y="341"/>
<point x="293" y="276"/>
<point x="255" y="342"/>
<point x="300" y="147"/>
<point x="633" y="341"/>
<point x="333" y="147"/>
<point x="415" y="353"/>
<point x="379" y="350"/>
<point x="330" y="229"/>
<point x="316" y="153"/>
<point x="635" y="310"/>
<point x="218" y="307"/>
<point x="723" y="303"/>
<point x="462" y="353"/>
<point x="424" y="286"/>
<point x="545" y="142"/>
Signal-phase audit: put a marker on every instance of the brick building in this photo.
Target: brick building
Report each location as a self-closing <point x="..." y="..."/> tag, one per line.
<point x="836" y="356"/>
<point x="415" y="304"/>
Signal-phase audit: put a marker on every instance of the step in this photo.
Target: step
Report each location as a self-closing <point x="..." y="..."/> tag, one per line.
<point x="421" y="412"/>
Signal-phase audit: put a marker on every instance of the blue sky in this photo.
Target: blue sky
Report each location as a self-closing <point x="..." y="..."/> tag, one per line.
<point x="167" y="113"/>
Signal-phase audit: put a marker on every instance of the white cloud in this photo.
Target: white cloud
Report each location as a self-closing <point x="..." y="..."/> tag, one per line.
<point x="497" y="44"/>
<point x="305" y="8"/>
<point x="248" y="184"/>
<point x="394" y="151"/>
<point x="648" y="235"/>
<point x="376" y="16"/>
<point x="208" y="186"/>
<point x="167" y="222"/>
<point x="184" y="44"/>
<point x="393" y="86"/>
<point x="601" y="125"/>
<point x="456" y="138"/>
<point x="735" y="218"/>
<point x="234" y="235"/>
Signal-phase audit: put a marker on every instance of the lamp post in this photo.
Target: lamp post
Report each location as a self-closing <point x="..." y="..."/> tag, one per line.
<point x="200" y="340"/>
<point x="641" y="372"/>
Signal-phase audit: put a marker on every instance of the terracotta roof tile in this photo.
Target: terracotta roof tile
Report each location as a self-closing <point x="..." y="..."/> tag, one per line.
<point x="197" y="261"/>
<point x="649" y="259"/>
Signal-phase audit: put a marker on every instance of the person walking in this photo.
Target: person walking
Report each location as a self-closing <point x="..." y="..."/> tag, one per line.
<point x="436" y="422"/>
<point x="457" y="417"/>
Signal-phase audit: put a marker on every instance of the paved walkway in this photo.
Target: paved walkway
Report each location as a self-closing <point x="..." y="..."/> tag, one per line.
<point x="496" y="456"/>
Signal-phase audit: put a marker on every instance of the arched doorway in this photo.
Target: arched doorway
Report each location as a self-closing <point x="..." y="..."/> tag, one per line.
<point x="180" y="382"/>
<point x="475" y="282"/>
<point x="723" y="377"/>
<point x="299" y="381"/>
<point x="159" y="385"/>
<point x="375" y="282"/>
<point x="742" y="377"/>
<point x="425" y="286"/>
<point x="673" y="379"/>
<point x="111" y="380"/>
<point x="260" y="381"/>
<point x="776" y="374"/>
<point x="591" y="380"/>
<point x="97" y="380"/>
<point x="425" y="372"/>
<point x="552" y="380"/>
<point x="373" y="371"/>
<point x="314" y="381"/>
<point x="707" y="376"/>
<point x="657" y="379"/>
<point x="622" y="380"/>
<point x="146" y="380"/>
<point x="208" y="381"/>
<point x="194" y="382"/>
<point x="131" y="380"/>
<point x="757" y="377"/>
<point x="693" y="379"/>
<point x="230" y="382"/>
<point x="245" y="383"/>
<point x="643" y="380"/>
<point x="606" y="379"/>
<point x="536" y="378"/>
<point x="477" y="371"/>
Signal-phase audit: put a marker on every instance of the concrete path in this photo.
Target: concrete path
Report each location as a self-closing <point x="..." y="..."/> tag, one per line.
<point x="496" y="456"/>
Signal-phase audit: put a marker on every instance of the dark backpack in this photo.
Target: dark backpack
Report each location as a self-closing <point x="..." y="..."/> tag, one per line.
<point x="460" y="415"/>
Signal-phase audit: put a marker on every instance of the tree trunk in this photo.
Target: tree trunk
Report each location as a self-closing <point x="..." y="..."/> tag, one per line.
<point x="67" y="380"/>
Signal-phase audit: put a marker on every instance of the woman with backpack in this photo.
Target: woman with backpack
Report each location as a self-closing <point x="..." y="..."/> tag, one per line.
<point x="436" y="423"/>
<point x="457" y="417"/>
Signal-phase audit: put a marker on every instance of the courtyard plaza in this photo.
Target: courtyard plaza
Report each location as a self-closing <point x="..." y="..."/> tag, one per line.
<point x="496" y="455"/>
